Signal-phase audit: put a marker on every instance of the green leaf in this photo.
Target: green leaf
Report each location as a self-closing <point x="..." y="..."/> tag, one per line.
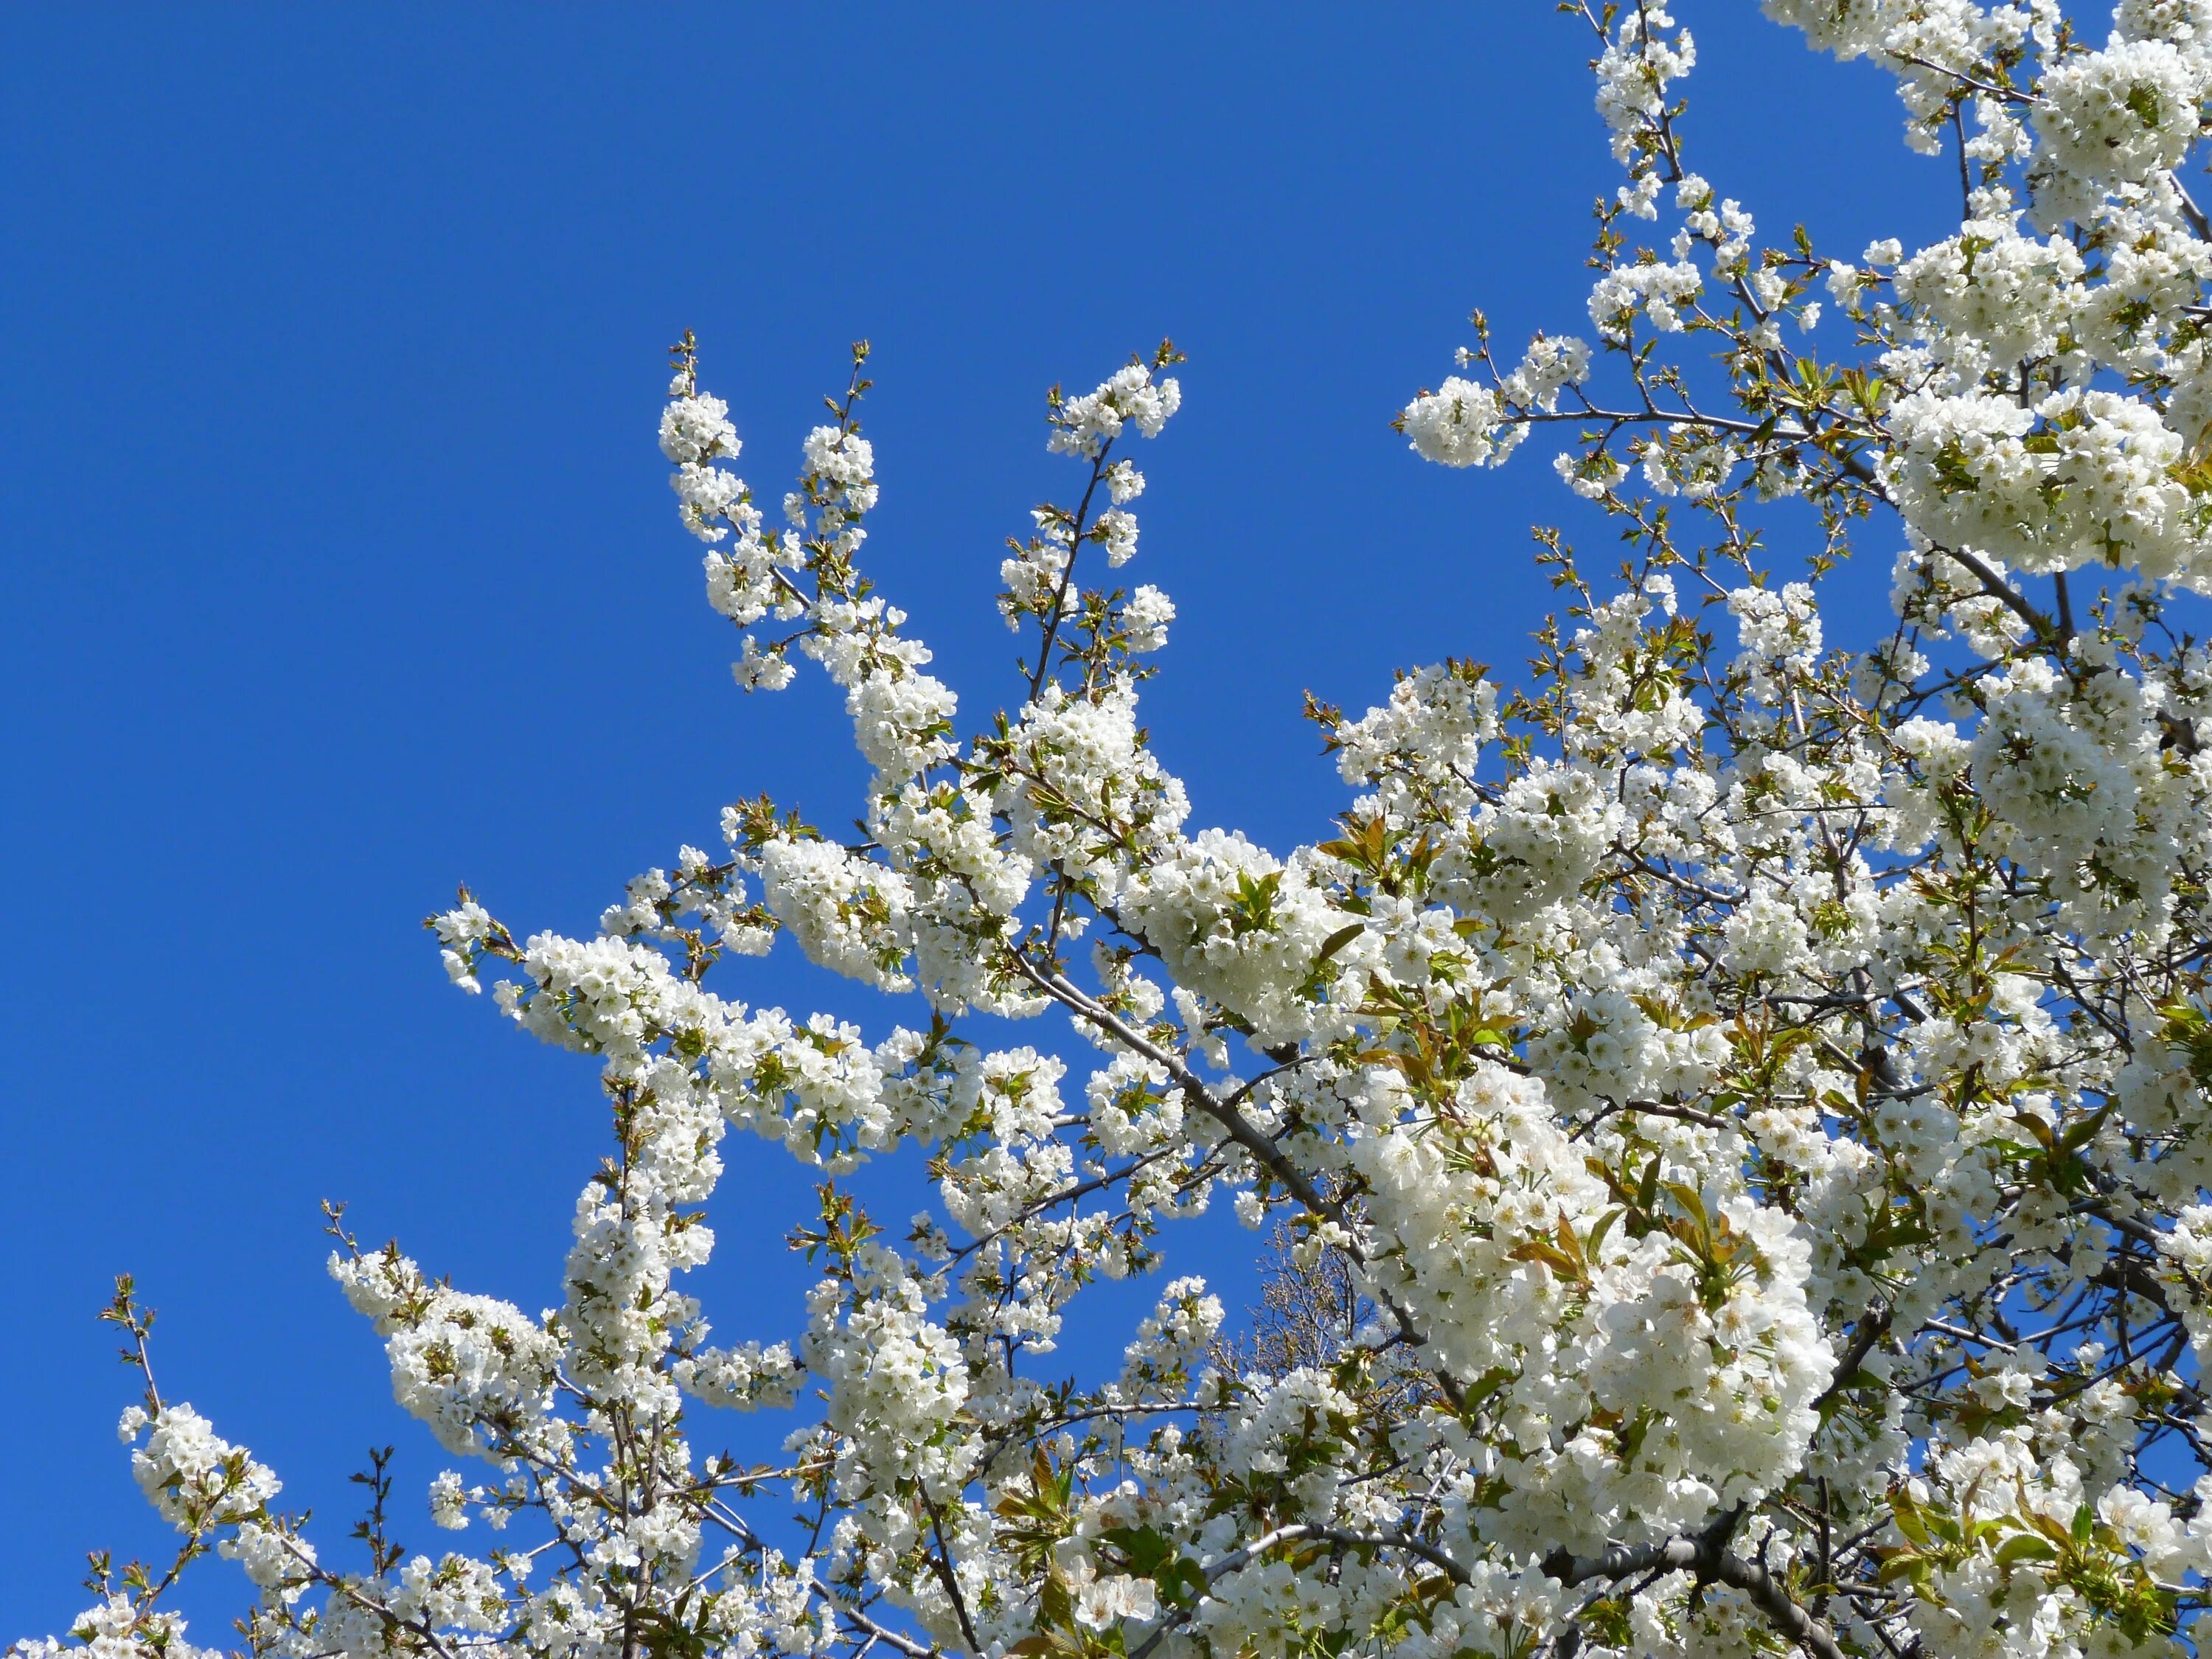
<point x="1141" y="1546"/>
<point x="1055" y="1605"/>
<point x="1908" y="1519"/>
<point x="2026" y="1546"/>
<point x="1693" y="1205"/>
<point x="1905" y="1563"/>
<point x="1337" y="940"/>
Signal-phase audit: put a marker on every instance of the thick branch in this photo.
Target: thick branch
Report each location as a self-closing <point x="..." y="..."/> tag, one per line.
<point x="1872" y="1326"/>
<point x="1996" y="588"/>
<point x="1708" y="1558"/>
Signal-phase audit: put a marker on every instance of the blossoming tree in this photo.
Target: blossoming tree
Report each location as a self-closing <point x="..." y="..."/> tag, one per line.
<point x="1755" y="1089"/>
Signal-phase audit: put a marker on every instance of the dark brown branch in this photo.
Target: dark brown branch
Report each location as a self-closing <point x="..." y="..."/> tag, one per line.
<point x="1873" y="1325"/>
<point x="1709" y="1559"/>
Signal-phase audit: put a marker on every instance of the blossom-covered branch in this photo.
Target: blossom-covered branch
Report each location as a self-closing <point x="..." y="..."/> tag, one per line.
<point x="1744" y="1093"/>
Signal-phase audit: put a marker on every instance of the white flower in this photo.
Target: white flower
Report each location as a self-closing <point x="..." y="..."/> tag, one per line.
<point x="1460" y="424"/>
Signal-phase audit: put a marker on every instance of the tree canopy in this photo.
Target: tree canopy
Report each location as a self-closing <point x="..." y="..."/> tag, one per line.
<point x="1732" y="1103"/>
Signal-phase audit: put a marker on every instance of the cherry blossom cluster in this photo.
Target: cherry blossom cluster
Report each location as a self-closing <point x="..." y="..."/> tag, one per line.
<point x="1742" y="1094"/>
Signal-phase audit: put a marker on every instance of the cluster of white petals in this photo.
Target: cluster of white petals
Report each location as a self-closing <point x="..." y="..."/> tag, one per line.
<point x="1731" y="1111"/>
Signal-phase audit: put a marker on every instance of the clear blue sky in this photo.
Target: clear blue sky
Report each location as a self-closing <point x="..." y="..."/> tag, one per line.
<point x="340" y="565"/>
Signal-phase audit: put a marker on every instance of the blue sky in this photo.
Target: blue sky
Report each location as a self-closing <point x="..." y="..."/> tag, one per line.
<point x="341" y="566"/>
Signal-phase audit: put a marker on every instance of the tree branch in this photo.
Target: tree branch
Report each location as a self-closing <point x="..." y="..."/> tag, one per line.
<point x="1264" y="1152"/>
<point x="1709" y="1559"/>
<point x="1873" y="1325"/>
